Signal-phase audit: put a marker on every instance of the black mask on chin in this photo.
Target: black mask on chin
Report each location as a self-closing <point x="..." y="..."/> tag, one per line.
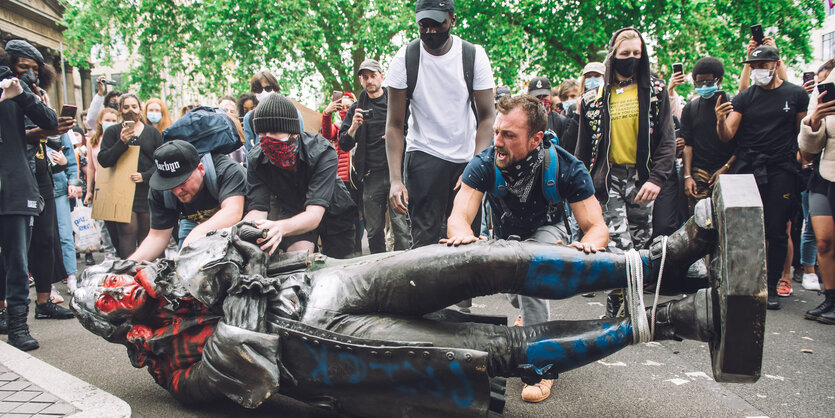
<point x="434" y="40"/>
<point x="627" y="67"/>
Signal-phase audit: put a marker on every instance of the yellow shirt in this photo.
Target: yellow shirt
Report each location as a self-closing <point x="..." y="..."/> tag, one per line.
<point x="623" y="112"/>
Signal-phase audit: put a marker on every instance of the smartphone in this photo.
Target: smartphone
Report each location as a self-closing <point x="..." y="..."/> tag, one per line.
<point x="336" y="95"/>
<point x="757" y="33"/>
<point x="808" y="76"/>
<point x="128" y="124"/>
<point x="829" y="88"/>
<point x="69" y="110"/>
<point x="678" y="68"/>
<point x="723" y="95"/>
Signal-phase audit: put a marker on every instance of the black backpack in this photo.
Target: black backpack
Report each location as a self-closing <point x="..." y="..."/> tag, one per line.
<point x="413" y="66"/>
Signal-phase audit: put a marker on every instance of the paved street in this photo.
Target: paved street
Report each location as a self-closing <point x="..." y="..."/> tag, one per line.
<point x="655" y="379"/>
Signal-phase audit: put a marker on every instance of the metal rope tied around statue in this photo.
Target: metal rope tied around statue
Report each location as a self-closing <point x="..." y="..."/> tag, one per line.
<point x="370" y="336"/>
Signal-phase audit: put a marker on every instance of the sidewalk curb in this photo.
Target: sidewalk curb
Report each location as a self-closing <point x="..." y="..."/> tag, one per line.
<point x="88" y="399"/>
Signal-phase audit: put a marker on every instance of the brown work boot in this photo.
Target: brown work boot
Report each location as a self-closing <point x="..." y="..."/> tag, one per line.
<point x="538" y="392"/>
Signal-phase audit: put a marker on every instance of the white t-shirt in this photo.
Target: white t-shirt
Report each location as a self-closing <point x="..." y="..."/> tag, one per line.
<point x="442" y="122"/>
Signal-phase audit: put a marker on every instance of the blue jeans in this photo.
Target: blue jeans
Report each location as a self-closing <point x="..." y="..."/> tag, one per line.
<point x="808" y="246"/>
<point x="15" y="233"/>
<point x="62" y="209"/>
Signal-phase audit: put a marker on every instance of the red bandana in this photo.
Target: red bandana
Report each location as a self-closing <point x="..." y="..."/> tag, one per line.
<point x="547" y="104"/>
<point x="281" y="153"/>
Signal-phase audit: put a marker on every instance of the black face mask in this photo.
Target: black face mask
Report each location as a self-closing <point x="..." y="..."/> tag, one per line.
<point x="434" y="40"/>
<point x="113" y="106"/>
<point x="29" y="78"/>
<point x="627" y="67"/>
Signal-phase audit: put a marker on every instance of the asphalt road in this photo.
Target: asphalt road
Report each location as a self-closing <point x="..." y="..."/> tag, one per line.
<point x="656" y="379"/>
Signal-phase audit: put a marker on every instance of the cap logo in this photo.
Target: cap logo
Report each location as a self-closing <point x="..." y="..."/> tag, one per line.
<point x="168" y="167"/>
<point x="539" y="84"/>
<point x="755" y="53"/>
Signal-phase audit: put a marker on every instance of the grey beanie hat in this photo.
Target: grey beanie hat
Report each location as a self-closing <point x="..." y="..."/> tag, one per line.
<point x="276" y="113"/>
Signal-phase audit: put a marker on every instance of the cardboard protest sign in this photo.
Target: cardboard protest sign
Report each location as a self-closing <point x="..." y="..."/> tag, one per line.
<point x="113" y="196"/>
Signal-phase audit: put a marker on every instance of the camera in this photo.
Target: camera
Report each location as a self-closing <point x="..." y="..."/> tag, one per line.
<point x="109" y="82"/>
<point x="367" y="114"/>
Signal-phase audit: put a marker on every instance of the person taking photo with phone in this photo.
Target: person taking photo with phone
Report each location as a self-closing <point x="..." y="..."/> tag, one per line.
<point x="116" y="140"/>
<point x="765" y="120"/>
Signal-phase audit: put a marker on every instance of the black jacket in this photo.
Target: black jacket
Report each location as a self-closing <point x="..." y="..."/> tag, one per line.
<point x="19" y="193"/>
<point x="656" y="134"/>
<point x="347" y="142"/>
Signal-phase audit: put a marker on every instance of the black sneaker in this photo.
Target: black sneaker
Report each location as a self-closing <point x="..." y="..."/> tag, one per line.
<point x="49" y="310"/>
<point x="89" y="260"/>
<point x="773" y="302"/>
<point x="4" y="322"/>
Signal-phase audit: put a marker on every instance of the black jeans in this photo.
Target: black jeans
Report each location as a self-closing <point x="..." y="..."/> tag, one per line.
<point x="15" y="231"/>
<point x="375" y="204"/>
<point x="667" y="210"/>
<point x="430" y="182"/>
<point x="47" y="263"/>
<point x="779" y="195"/>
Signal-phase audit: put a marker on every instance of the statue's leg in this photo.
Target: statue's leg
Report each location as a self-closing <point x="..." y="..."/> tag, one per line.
<point x="537" y="351"/>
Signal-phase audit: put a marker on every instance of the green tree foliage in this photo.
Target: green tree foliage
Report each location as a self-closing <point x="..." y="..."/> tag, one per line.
<point x="219" y="44"/>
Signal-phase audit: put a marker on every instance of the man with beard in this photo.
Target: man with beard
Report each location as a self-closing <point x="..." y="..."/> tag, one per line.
<point x="519" y="156"/>
<point x="209" y="197"/>
<point x="299" y="169"/>
<point x="371" y="171"/>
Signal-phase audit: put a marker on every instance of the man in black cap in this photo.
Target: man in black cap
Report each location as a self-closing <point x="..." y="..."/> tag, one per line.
<point x="765" y="120"/>
<point x="370" y="171"/>
<point x="540" y="87"/>
<point x="208" y="195"/>
<point x="299" y="170"/>
<point x="451" y="118"/>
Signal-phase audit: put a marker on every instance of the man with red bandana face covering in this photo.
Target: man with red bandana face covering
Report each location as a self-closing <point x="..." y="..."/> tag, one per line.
<point x="540" y="87"/>
<point x="297" y="170"/>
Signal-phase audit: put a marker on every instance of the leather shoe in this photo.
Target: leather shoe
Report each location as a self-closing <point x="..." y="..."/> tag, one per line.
<point x="538" y="392"/>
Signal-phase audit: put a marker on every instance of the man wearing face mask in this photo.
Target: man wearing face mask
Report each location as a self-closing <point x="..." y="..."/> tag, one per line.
<point x="299" y="169"/>
<point x="765" y="120"/>
<point x="627" y="140"/>
<point x="706" y="157"/>
<point x="540" y="87"/>
<point x="450" y="119"/>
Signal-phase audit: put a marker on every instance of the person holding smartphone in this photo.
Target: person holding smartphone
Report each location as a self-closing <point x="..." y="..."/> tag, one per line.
<point x="116" y="140"/>
<point x="764" y="120"/>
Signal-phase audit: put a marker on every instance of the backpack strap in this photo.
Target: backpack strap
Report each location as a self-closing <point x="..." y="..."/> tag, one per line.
<point x="412" y="66"/>
<point x="468" y="61"/>
<point x="550" y="174"/>
<point x="209" y="179"/>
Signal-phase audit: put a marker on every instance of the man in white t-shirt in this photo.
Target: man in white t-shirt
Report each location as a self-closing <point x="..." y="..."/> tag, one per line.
<point x="443" y="131"/>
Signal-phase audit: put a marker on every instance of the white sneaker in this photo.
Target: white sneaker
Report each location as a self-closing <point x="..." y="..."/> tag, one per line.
<point x="810" y="281"/>
<point x="54" y="296"/>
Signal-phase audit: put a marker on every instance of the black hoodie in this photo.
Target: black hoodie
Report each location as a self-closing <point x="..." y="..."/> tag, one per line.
<point x="656" y="133"/>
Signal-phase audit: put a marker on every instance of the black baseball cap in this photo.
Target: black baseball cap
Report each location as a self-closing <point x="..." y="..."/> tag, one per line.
<point x="539" y="86"/>
<point x="763" y="53"/>
<point x="175" y="161"/>
<point x="436" y="10"/>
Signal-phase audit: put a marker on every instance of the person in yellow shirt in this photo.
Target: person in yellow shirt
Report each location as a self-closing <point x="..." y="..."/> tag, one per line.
<point x="626" y="139"/>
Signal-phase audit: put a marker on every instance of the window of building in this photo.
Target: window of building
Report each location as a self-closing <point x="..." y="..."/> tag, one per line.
<point x="828" y="45"/>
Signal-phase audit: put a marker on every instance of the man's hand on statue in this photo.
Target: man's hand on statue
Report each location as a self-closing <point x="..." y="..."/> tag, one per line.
<point x="274" y="235"/>
<point x="649" y="191"/>
<point x="464" y="239"/>
<point x="585" y="247"/>
<point x="716" y="175"/>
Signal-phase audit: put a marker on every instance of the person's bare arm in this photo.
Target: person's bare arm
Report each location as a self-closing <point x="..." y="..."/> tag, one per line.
<point x="727" y="120"/>
<point x="153" y="245"/>
<point x="231" y="210"/>
<point x="395" y="144"/>
<point x="255" y="215"/>
<point x="486" y="114"/>
<point x="464" y="210"/>
<point x="589" y="216"/>
<point x="297" y="225"/>
<point x="689" y="183"/>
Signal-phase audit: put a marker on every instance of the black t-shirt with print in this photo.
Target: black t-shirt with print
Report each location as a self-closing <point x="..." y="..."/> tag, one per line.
<point x="769" y="120"/>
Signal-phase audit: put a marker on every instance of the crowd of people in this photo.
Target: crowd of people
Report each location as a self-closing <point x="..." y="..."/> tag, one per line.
<point x="429" y="151"/>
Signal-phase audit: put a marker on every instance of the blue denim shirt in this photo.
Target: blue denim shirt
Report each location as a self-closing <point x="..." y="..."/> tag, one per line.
<point x="60" y="180"/>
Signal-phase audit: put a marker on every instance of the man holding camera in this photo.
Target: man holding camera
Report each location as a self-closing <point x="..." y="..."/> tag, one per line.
<point x="765" y="120"/>
<point x="367" y="132"/>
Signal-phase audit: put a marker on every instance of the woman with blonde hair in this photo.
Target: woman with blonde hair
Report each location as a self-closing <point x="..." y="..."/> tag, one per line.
<point x="157" y="114"/>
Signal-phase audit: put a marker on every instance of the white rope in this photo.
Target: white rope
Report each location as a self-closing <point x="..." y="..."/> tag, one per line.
<point x="658" y="285"/>
<point x="642" y="330"/>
